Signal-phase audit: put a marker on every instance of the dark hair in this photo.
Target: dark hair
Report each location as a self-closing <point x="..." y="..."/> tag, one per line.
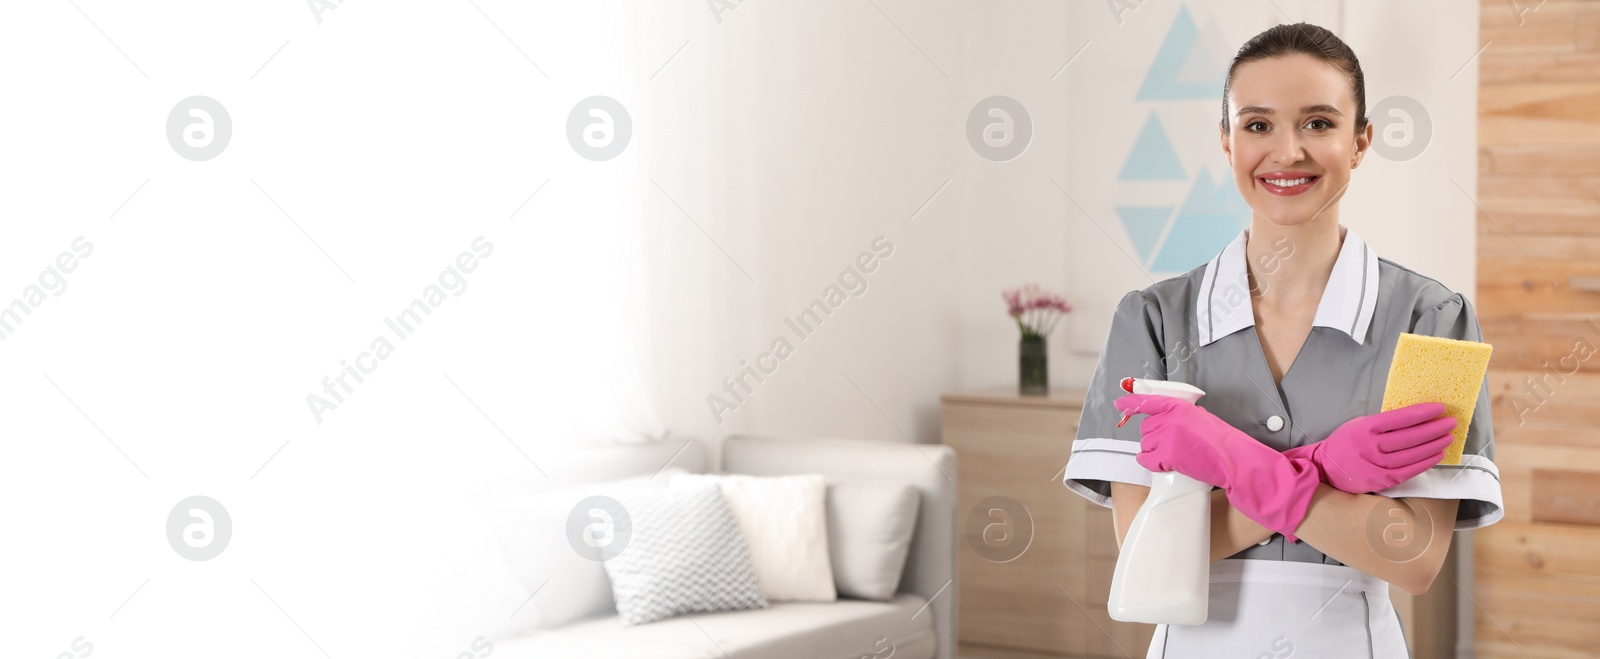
<point x="1306" y="39"/>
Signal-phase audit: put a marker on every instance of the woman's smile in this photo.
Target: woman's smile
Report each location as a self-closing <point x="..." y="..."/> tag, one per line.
<point x="1288" y="184"/>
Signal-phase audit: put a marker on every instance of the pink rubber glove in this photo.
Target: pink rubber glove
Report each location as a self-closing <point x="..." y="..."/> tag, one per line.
<point x="1379" y="451"/>
<point x="1268" y="487"/>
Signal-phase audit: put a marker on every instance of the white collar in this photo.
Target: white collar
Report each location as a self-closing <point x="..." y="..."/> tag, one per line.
<point x="1224" y="305"/>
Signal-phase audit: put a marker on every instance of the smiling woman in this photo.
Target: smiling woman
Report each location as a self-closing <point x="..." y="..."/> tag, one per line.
<point x="1299" y="361"/>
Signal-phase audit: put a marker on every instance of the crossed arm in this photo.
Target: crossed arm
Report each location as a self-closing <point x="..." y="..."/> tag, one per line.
<point x="1336" y="524"/>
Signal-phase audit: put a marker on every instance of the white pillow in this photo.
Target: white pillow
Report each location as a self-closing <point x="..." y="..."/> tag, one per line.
<point x="785" y="525"/>
<point x="870" y="524"/>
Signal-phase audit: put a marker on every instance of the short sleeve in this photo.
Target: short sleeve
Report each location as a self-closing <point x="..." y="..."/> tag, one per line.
<point x="1476" y="481"/>
<point x="1102" y="452"/>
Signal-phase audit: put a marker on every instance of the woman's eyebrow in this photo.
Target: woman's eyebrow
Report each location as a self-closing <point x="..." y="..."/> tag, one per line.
<point x="1309" y="109"/>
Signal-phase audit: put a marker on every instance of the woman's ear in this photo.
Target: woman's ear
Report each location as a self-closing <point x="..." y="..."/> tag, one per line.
<point x="1363" y="140"/>
<point x="1227" y="149"/>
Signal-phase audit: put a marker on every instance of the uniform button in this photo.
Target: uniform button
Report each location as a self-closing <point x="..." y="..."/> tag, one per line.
<point x="1268" y="541"/>
<point x="1274" y="423"/>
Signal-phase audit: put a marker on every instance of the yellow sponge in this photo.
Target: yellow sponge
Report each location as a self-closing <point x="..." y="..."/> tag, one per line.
<point x="1429" y="369"/>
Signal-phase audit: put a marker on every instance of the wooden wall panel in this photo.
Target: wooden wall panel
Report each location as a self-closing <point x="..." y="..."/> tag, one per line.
<point x="1541" y="635"/>
<point x="1547" y="401"/>
<point x="1574" y="195"/>
<point x="1513" y="219"/>
<point x="1534" y="433"/>
<point x="1568" y="496"/>
<point x="1510" y="590"/>
<point x="1537" y="572"/>
<point x="1562" y="161"/>
<point x="1555" y="550"/>
<point x="1517" y="464"/>
<point x="1530" y="27"/>
<point x="1541" y="338"/>
<point x="1540" y="113"/>
<point x="1535" y="274"/>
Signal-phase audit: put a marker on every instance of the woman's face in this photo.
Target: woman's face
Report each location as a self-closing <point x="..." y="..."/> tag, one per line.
<point x="1293" y="140"/>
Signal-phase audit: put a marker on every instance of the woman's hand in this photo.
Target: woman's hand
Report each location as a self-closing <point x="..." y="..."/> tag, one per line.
<point x="1183" y="437"/>
<point x="1379" y="451"/>
<point x="1265" y="485"/>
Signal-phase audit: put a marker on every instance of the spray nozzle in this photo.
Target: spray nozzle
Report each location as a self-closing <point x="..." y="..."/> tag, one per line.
<point x="1180" y="390"/>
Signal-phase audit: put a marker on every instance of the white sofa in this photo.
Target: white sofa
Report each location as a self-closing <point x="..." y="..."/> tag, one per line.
<point x="578" y="615"/>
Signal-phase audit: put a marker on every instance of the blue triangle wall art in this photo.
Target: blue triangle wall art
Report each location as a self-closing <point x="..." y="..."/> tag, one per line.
<point x="1152" y="157"/>
<point x="1144" y="225"/>
<point x="1211" y="216"/>
<point x="1183" y="68"/>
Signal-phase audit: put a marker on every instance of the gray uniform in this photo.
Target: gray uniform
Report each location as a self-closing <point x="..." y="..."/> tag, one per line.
<point x="1199" y="328"/>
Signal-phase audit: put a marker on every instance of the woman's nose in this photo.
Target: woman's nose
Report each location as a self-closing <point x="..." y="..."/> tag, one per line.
<point x="1288" y="149"/>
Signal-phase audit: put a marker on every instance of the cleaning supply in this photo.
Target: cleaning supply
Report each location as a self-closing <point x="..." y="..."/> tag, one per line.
<point x="1164" y="568"/>
<point x="1375" y="452"/>
<point x="1431" y="368"/>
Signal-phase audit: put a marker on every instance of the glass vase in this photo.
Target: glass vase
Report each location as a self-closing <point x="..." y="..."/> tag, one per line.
<point x="1033" y="367"/>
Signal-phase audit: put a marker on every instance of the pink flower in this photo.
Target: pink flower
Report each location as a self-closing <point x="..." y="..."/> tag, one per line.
<point x="1013" y="298"/>
<point x="1035" y="310"/>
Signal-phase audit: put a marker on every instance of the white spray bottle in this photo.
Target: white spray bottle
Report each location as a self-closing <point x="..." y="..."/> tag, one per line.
<point x="1164" y="569"/>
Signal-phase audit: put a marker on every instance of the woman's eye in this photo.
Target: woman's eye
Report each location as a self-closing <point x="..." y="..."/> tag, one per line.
<point x="1256" y="126"/>
<point x="1319" y="124"/>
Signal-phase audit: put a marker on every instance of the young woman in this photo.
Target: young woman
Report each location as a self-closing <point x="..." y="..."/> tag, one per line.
<point x="1324" y="502"/>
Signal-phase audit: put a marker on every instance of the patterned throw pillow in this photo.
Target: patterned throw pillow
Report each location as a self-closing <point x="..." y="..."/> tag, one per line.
<point x="684" y="554"/>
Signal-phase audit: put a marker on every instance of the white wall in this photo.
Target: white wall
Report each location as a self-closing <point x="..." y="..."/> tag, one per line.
<point x="1412" y="211"/>
<point x="800" y="132"/>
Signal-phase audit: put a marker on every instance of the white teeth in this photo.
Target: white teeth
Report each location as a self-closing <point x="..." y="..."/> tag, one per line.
<point x="1284" y="183"/>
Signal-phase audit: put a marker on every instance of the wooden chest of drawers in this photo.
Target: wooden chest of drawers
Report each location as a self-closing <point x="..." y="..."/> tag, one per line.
<point x="1036" y="559"/>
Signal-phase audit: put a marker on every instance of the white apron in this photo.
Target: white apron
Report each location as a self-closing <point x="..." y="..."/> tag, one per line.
<point x="1267" y="609"/>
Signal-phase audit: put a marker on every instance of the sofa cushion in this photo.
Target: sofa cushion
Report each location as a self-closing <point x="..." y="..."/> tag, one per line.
<point x="844" y="629"/>
<point x="869" y="534"/>
<point x="683" y="554"/>
<point x="784" y="521"/>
